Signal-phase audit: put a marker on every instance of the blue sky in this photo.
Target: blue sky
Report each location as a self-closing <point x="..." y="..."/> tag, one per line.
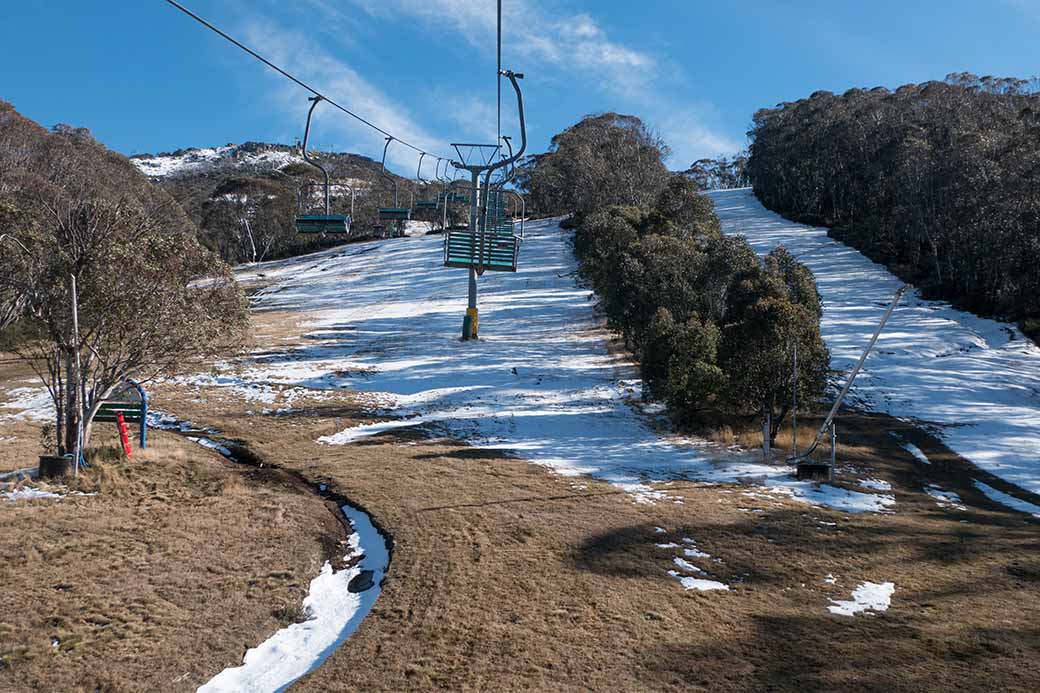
<point x="144" y="78"/>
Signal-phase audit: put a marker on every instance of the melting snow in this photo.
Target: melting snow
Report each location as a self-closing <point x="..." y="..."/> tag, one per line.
<point x="867" y="597"/>
<point x="1008" y="501"/>
<point x="700" y="584"/>
<point x="29" y="493"/>
<point x="944" y="498"/>
<point x="29" y="404"/>
<point x="686" y="565"/>
<point x="976" y="378"/>
<point x="334" y="614"/>
<point x="384" y="318"/>
<point x="876" y="484"/>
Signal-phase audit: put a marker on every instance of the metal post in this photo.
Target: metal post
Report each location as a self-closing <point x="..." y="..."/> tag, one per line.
<point x="794" y="398"/>
<point x="306" y="136"/>
<point x="470" y="322"/>
<point x="855" y="371"/>
<point x="79" y="378"/>
<point x="471" y="311"/>
<point x="834" y="445"/>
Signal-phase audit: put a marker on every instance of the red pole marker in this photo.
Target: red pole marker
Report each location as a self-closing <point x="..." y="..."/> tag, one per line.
<point x="124" y="436"/>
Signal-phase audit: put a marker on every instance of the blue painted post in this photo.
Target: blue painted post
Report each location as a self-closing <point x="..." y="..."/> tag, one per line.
<point x="144" y="419"/>
<point x="144" y="412"/>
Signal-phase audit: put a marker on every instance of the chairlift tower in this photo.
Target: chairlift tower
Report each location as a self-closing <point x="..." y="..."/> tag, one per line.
<point x="478" y="252"/>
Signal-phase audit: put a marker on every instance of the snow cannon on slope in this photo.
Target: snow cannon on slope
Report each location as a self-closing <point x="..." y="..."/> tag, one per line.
<point x="809" y="468"/>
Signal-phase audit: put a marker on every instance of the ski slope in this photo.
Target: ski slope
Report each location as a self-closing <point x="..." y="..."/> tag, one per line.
<point x="973" y="382"/>
<point x="385" y="318"/>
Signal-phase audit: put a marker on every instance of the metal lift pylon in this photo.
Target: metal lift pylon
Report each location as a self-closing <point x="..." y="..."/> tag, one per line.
<point x="487" y="165"/>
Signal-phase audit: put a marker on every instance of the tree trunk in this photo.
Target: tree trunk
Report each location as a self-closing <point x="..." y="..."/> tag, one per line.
<point x="71" y="406"/>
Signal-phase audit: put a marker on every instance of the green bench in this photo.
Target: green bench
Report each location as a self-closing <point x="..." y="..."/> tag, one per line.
<point x="133" y="412"/>
<point x="498" y="253"/>
<point x="323" y="223"/>
<point x="427" y="204"/>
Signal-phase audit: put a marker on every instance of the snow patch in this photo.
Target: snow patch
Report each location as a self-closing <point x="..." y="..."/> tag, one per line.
<point x="334" y="614"/>
<point x="29" y="404"/>
<point x="1008" y="501"/>
<point x="699" y="584"/>
<point x="944" y="498"/>
<point x="868" y="597"/>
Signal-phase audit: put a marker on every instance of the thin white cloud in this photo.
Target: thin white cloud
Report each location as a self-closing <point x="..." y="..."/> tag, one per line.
<point x="691" y="141"/>
<point x="336" y="78"/>
<point x="575" y="46"/>
<point x="530" y="32"/>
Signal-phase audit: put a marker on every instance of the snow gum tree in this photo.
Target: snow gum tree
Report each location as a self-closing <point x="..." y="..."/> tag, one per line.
<point x="150" y="297"/>
<point x="606" y="159"/>
<point x="714" y="327"/>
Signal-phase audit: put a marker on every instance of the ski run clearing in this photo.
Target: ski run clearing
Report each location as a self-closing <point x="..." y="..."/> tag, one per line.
<point x="973" y="382"/>
<point x="384" y="318"/>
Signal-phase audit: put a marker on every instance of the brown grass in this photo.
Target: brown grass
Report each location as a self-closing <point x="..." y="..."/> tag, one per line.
<point x="507" y="577"/>
<point x="178" y="564"/>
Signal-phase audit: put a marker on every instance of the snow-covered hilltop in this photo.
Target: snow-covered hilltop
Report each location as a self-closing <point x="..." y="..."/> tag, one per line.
<point x="250" y="155"/>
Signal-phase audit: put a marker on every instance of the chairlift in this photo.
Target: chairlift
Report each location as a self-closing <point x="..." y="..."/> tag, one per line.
<point x="490" y="243"/>
<point x="395" y="213"/>
<point x="327" y="223"/>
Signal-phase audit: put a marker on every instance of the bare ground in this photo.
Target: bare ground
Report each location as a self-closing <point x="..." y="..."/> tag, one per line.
<point x="507" y="576"/>
<point x="178" y="565"/>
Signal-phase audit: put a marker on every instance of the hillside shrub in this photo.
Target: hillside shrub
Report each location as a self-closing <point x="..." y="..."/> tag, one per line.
<point x="713" y="326"/>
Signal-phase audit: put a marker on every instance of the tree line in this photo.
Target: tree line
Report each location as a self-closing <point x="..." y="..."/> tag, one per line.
<point x="248" y="215"/>
<point x="721" y="173"/>
<point x="713" y="326"/>
<point x="939" y="181"/>
<point x="149" y="296"/>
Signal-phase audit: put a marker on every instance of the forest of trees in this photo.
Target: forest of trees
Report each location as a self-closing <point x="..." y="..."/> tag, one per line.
<point x="247" y="214"/>
<point x="722" y="173"/>
<point x="606" y="159"/>
<point x="939" y="181"/>
<point x="713" y="326"/>
<point x="74" y="212"/>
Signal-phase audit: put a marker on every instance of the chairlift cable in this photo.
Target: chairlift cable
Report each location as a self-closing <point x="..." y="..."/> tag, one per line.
<point x="287" y="75"/>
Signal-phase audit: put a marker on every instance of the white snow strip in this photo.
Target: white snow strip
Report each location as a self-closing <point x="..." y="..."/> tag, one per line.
<point x="29" y="493"/>
<point x="700" y="584"/>
<point x="350" y="435"/>
<point x="28" y="404"/>
<point x="944" y="498"/>
<point x="669" y="545"/>
<point x="1008" y="501"/>
<point x="207" y="443"/>
<point x="976" y="378"/>
<point x="867" y="597"/>
<point x="383" y="318"/>
<point x="876" y="484"/>
<point x="911" y="448"/>
<point x="830" y="579"/>
<point x="686" y="565"/>
<point x="334" y="615"/>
